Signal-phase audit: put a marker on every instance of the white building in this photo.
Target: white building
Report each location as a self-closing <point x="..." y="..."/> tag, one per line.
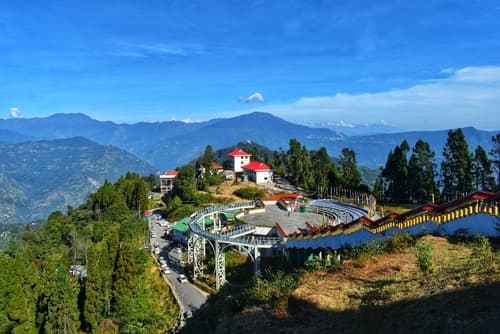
<point x="240" y="158"/>
<point x="167" y="181"/>
<point x="258" y="172"/>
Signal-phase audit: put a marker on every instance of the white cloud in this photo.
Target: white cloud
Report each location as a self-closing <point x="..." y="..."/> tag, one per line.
<point x="15" y="112"/>
<point x="127" y="49"/>
<point x="467" y="97"/>
<point x="255" y="97"/>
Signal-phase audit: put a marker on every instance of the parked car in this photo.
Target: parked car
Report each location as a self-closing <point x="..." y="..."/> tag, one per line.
<point x="182" y="278"/>
<point x="188" y="314"/>
<point x="165" y="269"/>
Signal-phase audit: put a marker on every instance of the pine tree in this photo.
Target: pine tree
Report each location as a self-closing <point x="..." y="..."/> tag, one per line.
<point x="299" y="165"/>
<point x="395" y="173"/>
<point x="208" y="158"/>
<point x="108" y="202"/>
<point x="18" y="293"/>
<point x="322" y="166"/>
<point x="483" y="170"/>
<point x="185" y="184"/>
<point x="349" y="173"/>
<point x="456" y="168"/>
<point x="495" y="153"/>
<point x="98" y="286"/>
<point x="421" y="173"/>
<point x="62" y="308"/>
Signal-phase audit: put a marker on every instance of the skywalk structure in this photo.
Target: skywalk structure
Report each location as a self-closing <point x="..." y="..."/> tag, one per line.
<point x="347" y="225"/>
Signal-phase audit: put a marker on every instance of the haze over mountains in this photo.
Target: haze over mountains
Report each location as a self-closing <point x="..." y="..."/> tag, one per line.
<point x="167" y="145"/>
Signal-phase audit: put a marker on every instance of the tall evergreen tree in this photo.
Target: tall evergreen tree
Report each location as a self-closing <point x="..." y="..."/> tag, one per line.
<point x="321" y="164"/>
<point x="349" y="173"/>
<point x="299" y="165"/>
<point x="107" y="202"/>
<point x="483" y="170"/>
<point x="185" y="184"/>
<point x="98" y="285"/>
<point x="456" y="168"/>
<point x="62" y="308"/>
<point x="422" y="173"/>
<point x="377" y="188"/>
<point x="395" y="174"/>
<point x="18" y="293"/>
<point x="495" y="153"/>
<point x="279" y="162"/>
<point x="134" y="190"/>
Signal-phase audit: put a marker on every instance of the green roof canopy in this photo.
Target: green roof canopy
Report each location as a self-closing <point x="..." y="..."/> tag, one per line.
<point x="182" y="225"/>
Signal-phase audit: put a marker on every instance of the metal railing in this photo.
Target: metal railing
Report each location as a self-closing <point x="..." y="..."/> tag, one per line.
<point x="196" y="226"/>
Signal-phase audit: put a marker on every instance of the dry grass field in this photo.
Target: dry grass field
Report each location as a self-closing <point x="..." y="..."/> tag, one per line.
<point x="389" y="293"/>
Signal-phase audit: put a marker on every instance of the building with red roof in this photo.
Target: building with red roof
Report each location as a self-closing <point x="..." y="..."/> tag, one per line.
<point x="240" y="158"/>
<point x="167" y="181"/>
<point x="258" y="172"/>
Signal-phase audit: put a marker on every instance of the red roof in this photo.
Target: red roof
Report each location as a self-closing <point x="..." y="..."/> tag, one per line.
<point x="238" y="152"/>
<point x="171" y="173"/>
<point x="216" y="165"/>
<point x="282" y="196"/>
<point x="256" y="166"/>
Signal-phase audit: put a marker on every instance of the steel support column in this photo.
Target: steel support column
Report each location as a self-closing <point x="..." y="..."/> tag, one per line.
<point x="220" y="266"/>
<point x="256" y="260"/>
<point x="196" y="251"/>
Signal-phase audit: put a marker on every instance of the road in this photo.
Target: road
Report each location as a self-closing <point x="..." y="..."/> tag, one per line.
<point x="189" y="296"/>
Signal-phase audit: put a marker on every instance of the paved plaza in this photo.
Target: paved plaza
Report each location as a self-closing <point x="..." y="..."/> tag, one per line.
<point x="290" y="223"/>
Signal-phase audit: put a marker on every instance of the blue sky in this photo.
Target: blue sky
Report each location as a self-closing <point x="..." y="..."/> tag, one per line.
<point x="409" y="64"/>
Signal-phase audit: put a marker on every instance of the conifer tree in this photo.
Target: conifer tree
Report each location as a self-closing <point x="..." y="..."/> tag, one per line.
<point x="495" y="153"/>
<point x="98" y="286"/>
<point x="299" y="165"/>
<point x="483" y="170"/>
<point x="18" y="293"/>
<point x="322" y="166"/>
<point x="422" y="172"/>
<point x="62" y="307"/>
<point x="349" y="173"/>
<point x="395" y="173"/>
<point x="185" y="184"/>
<point x="208" y="158"/>
<point x="456" y="168"/>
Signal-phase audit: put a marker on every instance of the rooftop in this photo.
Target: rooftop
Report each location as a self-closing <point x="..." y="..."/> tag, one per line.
<point x="238" y="152"/>
<point x="170" y="173"/>
<point x="256" y="166"/>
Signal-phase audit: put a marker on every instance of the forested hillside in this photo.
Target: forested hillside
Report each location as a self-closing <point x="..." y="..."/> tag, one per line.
<point x="117" y="287"/>
<point x="39" y="177"/>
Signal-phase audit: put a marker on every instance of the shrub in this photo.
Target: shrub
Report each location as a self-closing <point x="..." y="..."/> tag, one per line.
<point x="249" y="193"/>
<point x="398" y="242"/>
<point x="424" y="256"/>
<point x="329" y="263"/>
<point x="274" y="288"/>
<point x="482" y="254"/>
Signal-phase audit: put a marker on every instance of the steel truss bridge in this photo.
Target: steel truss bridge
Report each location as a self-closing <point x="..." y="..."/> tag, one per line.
<point x="220" y="240"/>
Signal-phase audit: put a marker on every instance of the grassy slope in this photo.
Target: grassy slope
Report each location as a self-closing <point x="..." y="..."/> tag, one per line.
<point x="388" y="293"/>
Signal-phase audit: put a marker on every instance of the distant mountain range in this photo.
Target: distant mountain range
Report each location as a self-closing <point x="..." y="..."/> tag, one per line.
<point x="353" y="129"/>
<point x="167" y="145"/>
<point x="38" y="177"/>
<point x="49" y="163"/>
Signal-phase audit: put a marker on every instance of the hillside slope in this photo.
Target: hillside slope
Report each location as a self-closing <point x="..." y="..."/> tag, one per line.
<point x="385" y="293"/>
<point x="42" y="176"/>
